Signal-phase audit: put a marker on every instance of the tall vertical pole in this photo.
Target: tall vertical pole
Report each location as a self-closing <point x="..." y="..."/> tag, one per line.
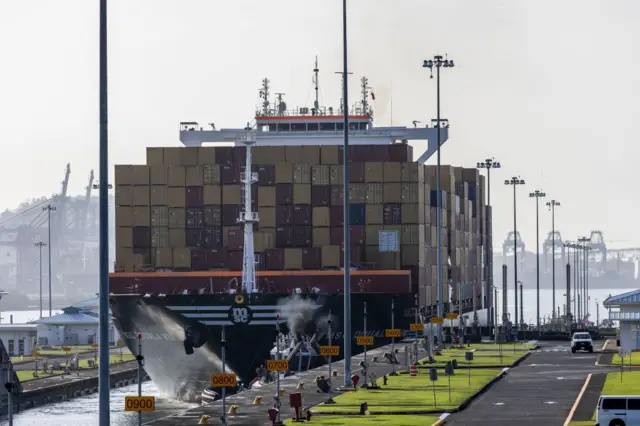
<point x="553" y="258"/>
<point x="348" y="338"/>
<point x="10" y="389"/>
<point x="40" y="262"/>
<point x="521" y="306"/>
<point x="586" y="276"/>
<point x="393" y="339"/>
<point x="580" y="292"/>
<point x="439" y="211"/>
<point x="49" y="247"/>
<point x="278" y="402"/>
<point x="488" y="260"/>
<point x="330" y="400"/>
<point x="140" y="359"/>
<point x="505" y="316"/>
<point x="515" y="257"/>
<point x="223" y="349"/>
<point x="104" y="387"/>
<point x="538" y="264"/>
<point x="568" y="302"/>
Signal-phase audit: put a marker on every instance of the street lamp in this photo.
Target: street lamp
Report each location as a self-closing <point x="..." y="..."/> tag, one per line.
<point x="489" y="163"/>
<point x="438" y="62"/>
<point x="585" y="269"/>
<point x="515" y="181"/>
<point x="552" y="206"/>
<point x="537" y="195"/>
<point x="40" y="244"/>
<point x="570" y="311"/>
<point x="49" y="208"/>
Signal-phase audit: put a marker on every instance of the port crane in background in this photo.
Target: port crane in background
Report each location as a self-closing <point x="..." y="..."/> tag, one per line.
<point x="508" y="249"/>
<point x="554" y="244"/>
<point x="74" y="238"/>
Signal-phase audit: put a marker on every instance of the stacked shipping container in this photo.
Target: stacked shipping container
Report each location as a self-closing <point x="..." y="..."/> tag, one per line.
<point x="179" y="212"/>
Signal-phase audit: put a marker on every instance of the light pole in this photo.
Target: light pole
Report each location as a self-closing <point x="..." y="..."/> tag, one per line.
<point x="489" y="163"/>
<point x="49" y="208"/>
<point x="537" y="195"/>
<point x="40" y="244"/>
<point x="521" y="305"/>
<point x="103" y="181"/>
<point x="570" y="309"/>
<point x="515" y="181"/>
<point x="580" y="293"/>
<point x="552" y="206"/>
<point x="438" y="62"/>
<point x="348" y="338"/>
<point x="585" y="269"/>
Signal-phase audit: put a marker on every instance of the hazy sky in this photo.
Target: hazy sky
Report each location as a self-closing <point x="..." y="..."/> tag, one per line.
<point x="547" y="87"/>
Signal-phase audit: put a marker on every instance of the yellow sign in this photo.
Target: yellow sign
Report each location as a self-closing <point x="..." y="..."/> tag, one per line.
<point x="416" y="327"/>
<point x="437" y="320"/>
<point x="364" y="340"/>
<point x="278" y="365"/>
<point x="393" y="332"/>
<point x="329" y="350"/>
<point x="94" y="345"/>
<point x="66" y="348"/>
<point x="223" y="380"/>
<point x="451" y="315"/>
<point x="139" y="403"/>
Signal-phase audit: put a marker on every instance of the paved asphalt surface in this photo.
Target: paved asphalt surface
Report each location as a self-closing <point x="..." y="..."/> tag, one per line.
<point x="541" y="390"/>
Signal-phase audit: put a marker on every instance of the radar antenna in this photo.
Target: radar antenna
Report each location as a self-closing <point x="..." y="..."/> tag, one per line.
<point x="281" y="106"/>
<point x="365" y="94"/>
<point x="342" y="106"/>
<point x="316" y="104"/>
<point x="264" y="95"/>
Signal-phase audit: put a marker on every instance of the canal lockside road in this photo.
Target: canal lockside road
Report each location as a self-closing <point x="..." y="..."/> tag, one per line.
<point x="541" y="390"/>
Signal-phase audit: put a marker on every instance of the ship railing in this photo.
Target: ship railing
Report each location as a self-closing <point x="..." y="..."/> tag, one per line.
<point x="302" y="112"/>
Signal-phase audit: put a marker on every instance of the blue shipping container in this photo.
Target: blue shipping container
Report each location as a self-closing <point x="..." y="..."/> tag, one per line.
<point x="473" y="192"/>
<point x="434" y="199"/>
<point x="357" y="214"/>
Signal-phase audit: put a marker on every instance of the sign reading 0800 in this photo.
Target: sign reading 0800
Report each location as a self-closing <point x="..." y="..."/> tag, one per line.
<point x="223" y="380"/>
<point x="139" y="403"/>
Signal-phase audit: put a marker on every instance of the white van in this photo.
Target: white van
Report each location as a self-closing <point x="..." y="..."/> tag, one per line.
<point x="618" y="410"/>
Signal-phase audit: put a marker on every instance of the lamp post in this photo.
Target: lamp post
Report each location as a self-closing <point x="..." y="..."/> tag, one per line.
<point x="49" y="208"/>
<point x="521" y="304"/>
<point x="552" y="206"/>
<point x="103" y="181"/>
<point x="40" y="244"/>
<point x="580" y="293"/>
<point x="515" y="181"/>
<point x="585" y="269"/>
<point x="537" y="195"/>
<point x="438" y="62"/>
<point x="567" y="294"/>
<point x="489" y="163"/>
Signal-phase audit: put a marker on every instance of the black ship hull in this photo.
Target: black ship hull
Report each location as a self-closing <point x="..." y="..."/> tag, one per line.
<point x="181" y="334"/>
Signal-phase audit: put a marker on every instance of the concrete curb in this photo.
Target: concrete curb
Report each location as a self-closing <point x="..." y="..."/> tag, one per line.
<point x="480" y="391"/>
<point x="442" y="420"/>
<point x="577" y="401"/>
<point x="521" y="359"/>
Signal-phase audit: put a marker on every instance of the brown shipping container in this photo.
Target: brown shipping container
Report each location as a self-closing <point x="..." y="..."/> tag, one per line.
<point x="400" y="152"/>
<point x="159" y="216"/>
<point x="194" y="238"/>
<point x="410" y="193"/>
<point x="177" y="238"/>
<point x="410" y="234"/>
<point x="224" y="155"/>
<point x="392" y="192"/>
<point x="177" y="176"/>
<point x="320" y="237"/>
<point x="373" y="172"/>
<point x="330" y="256"/>
<point x="211" y="174"/>
<point x="172" y="156"/>
<point x="321" y="175"/>
<point x="312" y="258"/>
<point x="302" y="236"/>
<point x="216" y="258"/>
<point x="140" y="195"/>
<point x="164" y="257"/>
<point x="141" y="216"/>
<point x="374" y="214"/>
<point x="372" y="235"/>
<point x="392" y="214"/>
<point x="206" y="155"/>
<point x="336" y="216"/>
<point x="284" y="236"/>
<point x="158" y="195"/>
<point x="212" y="216"/>
<point x="124" y="237"/>
<point x="225" y="234"/>
<point x="268" y="154"/>
<point x="239" y="155"/>
<point x="284" y="173"/>
<point x="412" y="173"/>
<point x="139" y="175"/>
<point x="320" y="217"/>
<point x="284" y="193"/>
<point x="267" y="217"/>
<point x="194" y="196"/>
<point x="160" y="237"/>
<point x="267" y="196"/>
<point x="177" y="217"/>
<point x="175" y="197"/>
<point x="356" y="254"/>
<point x="357" y="235"/>
<point x="284" y="215"/>
<point x="212" y="237"/>
<point x="155" y="156"/>
<point x="199" y="259"/>
<point x="182" y="258"/>
<point x="194" y="176"/>
<point x="301" y="214"/>
<point x="320" y="195"/>
<point x="293" y="154"/>
<point x="311" y="154"/>
<point x="189" y="156"/>
<point x="195" y="217"/>
<point x="337" y="195"/>
<point x="292" y="259"/>
<point x="357" y="193"/>
<point x="373" y="193"/>
<point x="212" y="194"/>
<point x="124" y="216"/>
<point x="124" y="195"/>
<point x="230" y="213"/>
<point x="159" y="175"/>
<point x="236" y="239"/>
<point x="412" y="213"/>
<point x="234" y="260"/>
<point x="231" y="194"/>
<point x="141" y="237"/>
<point x="302" y="173"/>
<point x="274" y="260"/>
<point x="392" y="172"/>
<point x="336" y="175"/>
<point x="301" y="194"/>
<point x="329" y="155"/>
<point x="230" y="174"/>
<point x="266" y="175"/>
<point x="356" y="172"/>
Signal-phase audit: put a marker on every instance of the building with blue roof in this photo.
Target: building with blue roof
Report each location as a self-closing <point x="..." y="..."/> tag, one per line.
<point x="628" y="315"/>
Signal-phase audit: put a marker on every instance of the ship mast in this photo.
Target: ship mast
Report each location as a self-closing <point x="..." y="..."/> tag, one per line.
<point x="316" y="104"/>
<point x="264" y="94"/>
<point x="248" y="217"/>
<point x="364" y="92"/>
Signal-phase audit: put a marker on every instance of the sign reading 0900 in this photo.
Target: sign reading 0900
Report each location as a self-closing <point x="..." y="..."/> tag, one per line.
<point x="139" y="403"/>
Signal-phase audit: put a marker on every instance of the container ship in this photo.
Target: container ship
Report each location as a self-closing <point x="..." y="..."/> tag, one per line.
<point x="248" y="239"/>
